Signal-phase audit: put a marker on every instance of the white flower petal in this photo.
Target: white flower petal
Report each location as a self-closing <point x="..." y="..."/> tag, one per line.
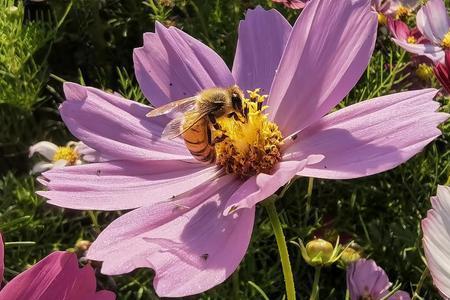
<point x="44" y="148"/>
<point x="41" y="167"/>
<point x="436" y="240"/>
<point x="60" y="163"/>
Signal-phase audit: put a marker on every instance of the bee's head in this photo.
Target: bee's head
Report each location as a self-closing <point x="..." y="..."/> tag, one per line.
<point x="237" y="99"/>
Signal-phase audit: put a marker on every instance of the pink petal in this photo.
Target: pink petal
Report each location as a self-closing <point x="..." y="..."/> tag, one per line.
<point x="435" y="53"/>
<point x="173" y="65"/>
<point x="262" y="38"/>
<point x="55" y="277"/>
<point x="294" y="4"/>
<point x="123" y="184"/>
<point x="329" y="49"/>
<point x="432" y="20"/>
<point x="400" y="295"/>
<point x="188" y="242"/>
<point x="2" y="257"/>
<point x="436" y="240"/>
<point x="261" y="186"/>
<point x="399" y="29"/>
<point x="370" y="137"/>
<point x="365" y="278"/>
<point x="116" y="127"/>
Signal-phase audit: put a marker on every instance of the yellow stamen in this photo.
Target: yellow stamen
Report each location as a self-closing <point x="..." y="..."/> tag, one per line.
<point x="67" y="153"/>
<point x="402" y="13"/>
<point x="411" y="40"/>
<point x="382" y="19"/>
<point x="425" y="72"/>
<point x="446" y="41"/>
<point x="252" y="145"/>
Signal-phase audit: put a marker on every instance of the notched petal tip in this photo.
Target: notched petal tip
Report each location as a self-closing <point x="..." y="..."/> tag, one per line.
<point x="74" y="91"/>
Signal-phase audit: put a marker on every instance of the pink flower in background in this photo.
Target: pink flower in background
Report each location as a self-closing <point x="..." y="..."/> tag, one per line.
<point x="434" y="24"/>
<point x="402" y="32"/>
<point x="295" y="4"/>
<point x="436" y="240"/>
<point x="366" y="280"/>
<point x="192" y="222"/>
<point x="56" y="277"/>
<point x="442" y="71"/>
<point x="396" y="9"/>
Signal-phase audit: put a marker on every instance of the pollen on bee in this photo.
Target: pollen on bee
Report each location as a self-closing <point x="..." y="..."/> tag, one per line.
<point x="251" y="146"/>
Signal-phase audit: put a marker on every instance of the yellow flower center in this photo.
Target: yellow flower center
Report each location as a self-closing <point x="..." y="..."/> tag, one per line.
<point x="382" y="19"/>
<point x="402" y="12"/>
<point x="252" y="145"/>
<point x="446" y="41"/>
<point x="411" y="40"/>
<point x="425" y="72"/>
<point x="67" y="153"/>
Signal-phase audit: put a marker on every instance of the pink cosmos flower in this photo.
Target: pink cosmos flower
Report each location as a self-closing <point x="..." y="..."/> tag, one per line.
<point x="55" y="277"/>
<point x="434" y="24"/>
<point x="191" y="222"/>
<point x="436" y="240"/>
<point x="294" y="4"/>
<point x="402" y="32"/>
<point x="395" y="8"/>
<point x="366" y="280"/>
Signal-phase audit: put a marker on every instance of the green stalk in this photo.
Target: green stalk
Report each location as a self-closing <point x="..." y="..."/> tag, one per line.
<point x="315" y="287"/>
<point x="282" y="248"/>
<point x="308" y="198"/>
<point x="95" y="224"/>
<point x="420" y="284"/>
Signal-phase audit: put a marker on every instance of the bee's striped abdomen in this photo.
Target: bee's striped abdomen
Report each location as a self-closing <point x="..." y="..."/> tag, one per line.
<point x="198" y="141"/>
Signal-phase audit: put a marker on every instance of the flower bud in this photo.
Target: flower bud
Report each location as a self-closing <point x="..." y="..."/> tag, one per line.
<point x="319" y="252"/>
<point x="349" y="255"/>
<point x="319" y="248"/>
<point x="82" y="246"/>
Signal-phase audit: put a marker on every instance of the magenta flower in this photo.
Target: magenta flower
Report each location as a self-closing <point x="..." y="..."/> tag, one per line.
<point x="192" y="222"/>
<point x="55" y="277"/>
<point x="402" y="32"/>
<point x="366" y="280"/>
<point x="442" y="71"/>
<point x="294" y="4"/>
<point x="436" y="240"/>
<point x="434" y="24"/>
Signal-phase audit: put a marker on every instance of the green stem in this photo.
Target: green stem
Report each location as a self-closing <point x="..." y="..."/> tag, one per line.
<point x="282" y="248"/>
<point x="420" y="284"/>
<point x="315" y="287"/>
<point x="93" y="216"/>
<point x="24" y="243"/>
<point x="308" y="198"/>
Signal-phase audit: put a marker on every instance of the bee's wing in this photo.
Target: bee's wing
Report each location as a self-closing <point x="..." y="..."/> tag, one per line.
<point x="179" y="106"/>
<point x="178" y="126"/>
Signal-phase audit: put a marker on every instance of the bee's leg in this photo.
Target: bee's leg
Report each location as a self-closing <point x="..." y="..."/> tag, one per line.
<point x="213" y="121"/>
<point x="217" y="139"/>
<point x="235" y="116"/>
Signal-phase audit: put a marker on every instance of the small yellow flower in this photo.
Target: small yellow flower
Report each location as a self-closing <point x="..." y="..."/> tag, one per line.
<point x="425" y="72"/>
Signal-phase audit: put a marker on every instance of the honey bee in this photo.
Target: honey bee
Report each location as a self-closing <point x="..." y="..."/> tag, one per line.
<point x="197" y="117"/>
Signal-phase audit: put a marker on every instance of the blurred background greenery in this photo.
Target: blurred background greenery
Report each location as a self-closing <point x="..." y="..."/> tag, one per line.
<point x="43" y="44"/>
